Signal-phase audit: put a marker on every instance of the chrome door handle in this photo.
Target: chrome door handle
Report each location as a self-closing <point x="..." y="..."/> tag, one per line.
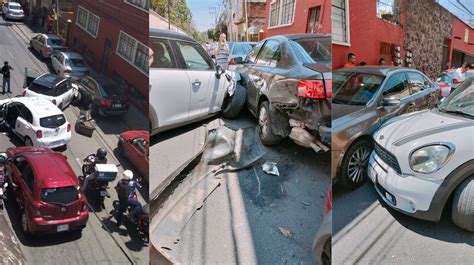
<point x="197" y="83"/>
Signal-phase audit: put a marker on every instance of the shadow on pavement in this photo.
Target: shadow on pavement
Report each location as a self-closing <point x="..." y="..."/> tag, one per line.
<point x="136" y="242"/>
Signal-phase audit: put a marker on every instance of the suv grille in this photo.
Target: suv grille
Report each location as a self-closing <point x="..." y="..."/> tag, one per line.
<point x="388" y="158"/>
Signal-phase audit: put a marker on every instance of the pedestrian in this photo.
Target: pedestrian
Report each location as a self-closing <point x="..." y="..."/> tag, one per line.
<point x="382" y="61"/>
<point x="6" y="76"/>
<point x="351" y="58"/>
<point x="222" y="52"/>
<point x="363" y="63"/>
<point x="458" y="75"/>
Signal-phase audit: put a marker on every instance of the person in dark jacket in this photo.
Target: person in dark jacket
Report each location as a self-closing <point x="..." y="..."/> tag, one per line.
<point x="6" y="76"/>
<point x="126" y="190"/>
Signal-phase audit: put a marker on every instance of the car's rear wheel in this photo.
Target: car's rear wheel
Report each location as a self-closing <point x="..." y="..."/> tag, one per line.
<point x="265" y="125"/>
<point x="353" y="172"/>
<point x="28" y="141"/>
<point x="24" y="224"/>
<point x="463" y="205"/>
<point x="233" y="104"/>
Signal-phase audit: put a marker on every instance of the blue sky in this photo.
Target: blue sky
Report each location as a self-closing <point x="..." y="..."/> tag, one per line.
<point x="454" y="7"/>
<point x="200" y="10"/>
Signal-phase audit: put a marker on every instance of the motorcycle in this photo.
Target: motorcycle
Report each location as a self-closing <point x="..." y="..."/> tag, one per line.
<point x="98" y="186"/>
<point x="142" y="220"/>
<point x="89" y="164"/>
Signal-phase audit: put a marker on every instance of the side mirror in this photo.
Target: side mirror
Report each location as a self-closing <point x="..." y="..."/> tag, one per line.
<point x="238" y="60"/>
<point x="219" y="72"/>
<point x="390" y="101"/>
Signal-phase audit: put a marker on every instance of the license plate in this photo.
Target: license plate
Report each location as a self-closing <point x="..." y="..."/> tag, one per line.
<point x="62" y="228"/>
<point x="57" y="143"/>
<point x="117" y="105"/>
<point x="103" y="193"/>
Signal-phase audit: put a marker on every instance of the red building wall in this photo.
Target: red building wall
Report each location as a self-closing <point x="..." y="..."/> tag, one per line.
<point x="115" y="15"/>
<point x="457" y="39"/>
<point x="367" y="31"/>
<point x="300" y="22"/>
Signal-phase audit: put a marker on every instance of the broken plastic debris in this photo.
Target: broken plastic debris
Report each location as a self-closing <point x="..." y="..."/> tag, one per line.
<point x="270" y="168"/>
<point x="285" y="232"/>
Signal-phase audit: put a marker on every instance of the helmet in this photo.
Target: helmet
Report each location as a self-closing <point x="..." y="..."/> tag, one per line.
<point x="101" y="153"/>
<point x="128" y="174"/>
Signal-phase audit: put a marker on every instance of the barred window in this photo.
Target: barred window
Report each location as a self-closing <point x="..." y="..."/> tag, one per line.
<point x="274" y="13"/>
<point x="126" y="46"/>
<point x="133" y="51"/>
<point x="87" y="21"/>
<point x="288" y="7"/>
<point x="340" y="31"/>
<point x="388" y="10"/>
<point x="82" y="17"/>
<point x="143" y="4"/>
<point x="141" y="57"/>
<point x="281" y="12"/>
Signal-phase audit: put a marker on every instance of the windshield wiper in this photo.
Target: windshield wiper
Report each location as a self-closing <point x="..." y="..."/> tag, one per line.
<point x="456" y="112"/>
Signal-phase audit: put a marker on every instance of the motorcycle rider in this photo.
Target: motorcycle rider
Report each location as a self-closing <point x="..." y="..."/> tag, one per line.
<point x="100" y="157"/>
<point x="126" y="190"/>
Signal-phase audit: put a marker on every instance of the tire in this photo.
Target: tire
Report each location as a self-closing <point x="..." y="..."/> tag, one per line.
<point x="28" y="141"/>
<point x="233" y="104"/>
<point x="24" y="224"/>
<point x="463" y="205"/>
<point x="356" y="175"/>
<point x="85" y="169"/>
<point x="265" y="130"/>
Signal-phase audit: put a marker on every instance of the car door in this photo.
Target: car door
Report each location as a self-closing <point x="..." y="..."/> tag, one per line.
<point x="27" y="187"/>
<point x="138" y="154"/>
<point x="264" y="69"/>
<point x="396" y="87"/>
<point x="64" y="93"/>
<point x="30" y="76"/>
<point x="169" y="86"/>
<point x="206" y="89"/>
<point x="248" y="75"/>
<point x="23" y="125"/>
<point x="422" y="96"/>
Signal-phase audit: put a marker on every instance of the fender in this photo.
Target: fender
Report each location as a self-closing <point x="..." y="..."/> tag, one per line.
<point x="153" y="119"/>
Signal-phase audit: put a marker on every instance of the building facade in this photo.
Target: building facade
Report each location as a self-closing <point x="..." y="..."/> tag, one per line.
<point x="112" y="36"/>
<point x="418" y="34"/>
<point x="245" y="19"/>
<point x="291" y="16"/>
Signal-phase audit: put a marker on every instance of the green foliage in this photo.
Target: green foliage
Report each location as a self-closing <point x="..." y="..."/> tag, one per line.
<point x="180" y="15"/>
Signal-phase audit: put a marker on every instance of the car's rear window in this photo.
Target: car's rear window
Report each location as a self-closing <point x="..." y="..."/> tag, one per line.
<point x="55" y="42"/>
<point x="60" y="196"/>
<point x="52" y="121"/>
<point x="76" y="62"/>
<point x="312" y="50"/>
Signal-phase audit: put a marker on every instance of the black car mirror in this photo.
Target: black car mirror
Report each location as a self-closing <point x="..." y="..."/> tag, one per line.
<point x="219" y="71"/>
<point x="238" y="60"/>
<point x="390" y="101"/>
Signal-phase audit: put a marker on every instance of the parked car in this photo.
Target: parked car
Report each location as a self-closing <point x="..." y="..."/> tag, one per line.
<point x="13" y="10"/>
<point x="59" y="90"/>
<point x="36" y="121"/>
<point x="185" y="85"/>
<point x="67" y="64"/>
<point x="106" y="96"/>
<point x="47" y="44"/>
<point x="423" y="159"/>
<point x="238" y="51"/>
<point x="445" y="81"/>
<point x="47" y="191"/>
<point x="288" y="82"/>
<point x="323" y="239"/>
<point x="135" y="145"/>
<point x="364" y="97"/>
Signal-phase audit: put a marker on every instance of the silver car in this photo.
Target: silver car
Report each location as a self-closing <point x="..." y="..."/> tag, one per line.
<point x="67" y="64"/>
<point x="47" y="44"/>
<point x="13" y="10"/>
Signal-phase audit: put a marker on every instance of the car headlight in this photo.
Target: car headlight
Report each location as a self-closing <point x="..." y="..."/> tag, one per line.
<point x="430" y="158"/>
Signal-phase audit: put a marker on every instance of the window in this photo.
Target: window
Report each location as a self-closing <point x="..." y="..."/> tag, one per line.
<point x="397" y="87"/>
<point x="388" y="10"/>
<point x="53" y="122"/>
<point x="61" y="196"/>
<point x="417" y="82"/>
<point x="62" y="88"/>
<point x="88" y="21"/>
<point x="270" y="54"/>
<point x="143" y="4"/>
<point x="312" y="50"/>
<point x="281" y="12"/>
<point x="133" y="51"/>
<point x="253" y="53"/>
<point x="26" y="114"/>
<point x="313" y="19"/>
<point x="340" y="23"/>
<point x="28" y="177"/>
<point x="195" y="57"/>
<point x="161" y="54"/>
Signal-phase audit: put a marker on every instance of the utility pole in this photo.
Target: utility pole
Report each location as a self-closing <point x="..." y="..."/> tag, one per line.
<point x="169" y="18"/>
<point x="57" y="17"/>
<point x="246" y="21"/>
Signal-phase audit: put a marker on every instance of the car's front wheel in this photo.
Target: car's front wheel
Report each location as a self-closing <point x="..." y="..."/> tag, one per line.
<point x="267" y="136"/>
<point x="353" y="172"/>
<point x="463" y="205"/>
<point x="233" y="104"/>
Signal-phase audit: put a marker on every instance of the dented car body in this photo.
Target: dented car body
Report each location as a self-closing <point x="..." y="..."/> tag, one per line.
<point x="288" y="82"/>
<point x="365" y="97"/>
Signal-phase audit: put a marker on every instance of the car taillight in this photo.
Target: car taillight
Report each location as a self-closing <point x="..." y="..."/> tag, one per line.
<point x="67" y="70"/>
<point x="311" y="89"/>
<point x="328" y="206"/>
<point x="68" y="127"/>
<point x="232" y="62"/>
<point x="106" y="103"/>
<point x="39" y="134"/>
<point x="54" y="101"/>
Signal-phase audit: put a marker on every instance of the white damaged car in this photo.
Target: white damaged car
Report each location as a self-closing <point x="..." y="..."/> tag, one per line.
<point x="423" y="159"/>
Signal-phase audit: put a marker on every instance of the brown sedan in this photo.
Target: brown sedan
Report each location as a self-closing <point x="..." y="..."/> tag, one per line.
<point x="364" y="98"/>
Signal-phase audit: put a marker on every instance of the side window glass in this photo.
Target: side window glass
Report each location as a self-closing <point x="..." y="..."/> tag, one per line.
<point x="195" y="56"/>
<point x="27" y="175"/>
<point x="417" y="82"/>
<point x="20" y="163"/>
<point x="26" y="114"/>
<point x="62" y="88"/>
<point x="161" y="56"/>
<point x="396" y="87"/>
<point x="270" y="54"/>
<point x="253" y="53"/>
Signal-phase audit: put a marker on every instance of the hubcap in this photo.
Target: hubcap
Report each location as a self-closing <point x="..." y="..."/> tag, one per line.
<point x="358" y="163"/>
<point x="263" y="121"/>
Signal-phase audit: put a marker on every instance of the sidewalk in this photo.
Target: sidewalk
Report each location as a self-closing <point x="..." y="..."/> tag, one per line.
<point x="9" y="247"/>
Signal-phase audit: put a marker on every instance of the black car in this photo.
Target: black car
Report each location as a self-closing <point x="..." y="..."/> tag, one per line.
<point x="288" y="81"/>
<point x="106" y="96"/>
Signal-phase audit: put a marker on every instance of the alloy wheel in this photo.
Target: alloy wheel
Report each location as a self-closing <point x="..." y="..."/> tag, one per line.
<point x="358" y="163"/>
<point x="263" y="121"/>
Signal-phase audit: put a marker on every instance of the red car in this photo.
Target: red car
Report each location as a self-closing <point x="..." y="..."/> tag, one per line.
<point x="47" y="191"/>
<point x="445" y="81"/>
<point x="135" y="146"/>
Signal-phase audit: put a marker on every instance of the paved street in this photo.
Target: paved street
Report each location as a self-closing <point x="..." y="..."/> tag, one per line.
<point x="364" y="232"/>
<point x="95" y="245"/>
<point x="240" y="221"/>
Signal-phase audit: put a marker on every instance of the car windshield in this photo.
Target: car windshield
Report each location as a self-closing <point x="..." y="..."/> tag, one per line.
<point x="312" y="50"/>
<point x="52" y="121"/>
<point x="445" y="77"/>
<point x="15" y="7"/>
<point x="461" y="100"/>
<point x="60" y="196"/>
<point x="75" y="62"/>
<point x="355" y="88"/>
<point x="55" y="42"/>
<point x="242" y="48"/>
